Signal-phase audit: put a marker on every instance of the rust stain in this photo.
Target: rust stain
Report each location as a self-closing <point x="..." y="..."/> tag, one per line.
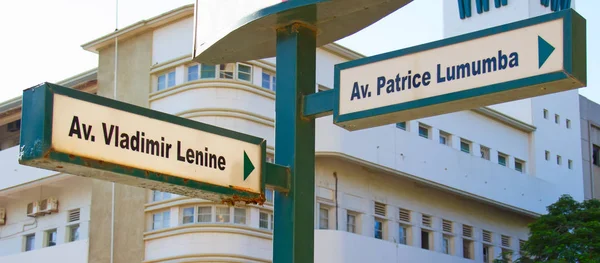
<point x="71" y="156"/>
<point x="146" y="173"/>
<point x="246" y="200"/>
<point x="59" y="167"/>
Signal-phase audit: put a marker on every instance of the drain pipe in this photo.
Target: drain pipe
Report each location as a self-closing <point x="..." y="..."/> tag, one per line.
<point x="336" y="201"/>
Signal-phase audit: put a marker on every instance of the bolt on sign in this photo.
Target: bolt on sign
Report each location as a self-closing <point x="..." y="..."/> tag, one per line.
<point x="533" y="57"/>
<point x="83" y="134"/>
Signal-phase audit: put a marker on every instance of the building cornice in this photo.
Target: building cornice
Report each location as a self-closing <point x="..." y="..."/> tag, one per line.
<point x="383" y="169"/>
<point x="209" y="228"/>
<point x="140" y="27"/>
<point x="234" y="258"/>
<point x="505" y="119"/>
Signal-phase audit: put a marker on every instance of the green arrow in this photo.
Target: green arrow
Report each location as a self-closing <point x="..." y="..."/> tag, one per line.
<point x="248" y="166"/>
<point x="544" y="51"/>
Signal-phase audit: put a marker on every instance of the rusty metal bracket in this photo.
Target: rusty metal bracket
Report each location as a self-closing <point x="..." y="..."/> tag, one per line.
<point x="278" y="177"/>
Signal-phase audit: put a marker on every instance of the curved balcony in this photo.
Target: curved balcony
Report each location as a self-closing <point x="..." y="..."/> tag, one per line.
<point x="209" y="243"/>
<point x="230" y="104"/>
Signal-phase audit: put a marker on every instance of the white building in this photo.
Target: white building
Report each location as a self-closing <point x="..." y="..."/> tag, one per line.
<point x="460" y="187"/>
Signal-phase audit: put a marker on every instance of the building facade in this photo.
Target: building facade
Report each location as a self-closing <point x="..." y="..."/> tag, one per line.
<point x="459" y="187"/>
<point x="590" y="147"/>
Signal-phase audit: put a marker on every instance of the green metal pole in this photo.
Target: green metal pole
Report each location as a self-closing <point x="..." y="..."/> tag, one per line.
<point x="293" y="240"/>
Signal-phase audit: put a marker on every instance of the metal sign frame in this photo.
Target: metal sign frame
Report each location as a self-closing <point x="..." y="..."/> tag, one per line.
<point x="36" y="148"/>
<point x="573" y="73"/>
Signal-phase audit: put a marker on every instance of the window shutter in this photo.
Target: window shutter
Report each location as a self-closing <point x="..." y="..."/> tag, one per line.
<point x="379" y="209"/>
<point x="426" y="220"/>
<point x="404" y="215"/>
<point x="487" y="236"/>
<point x="505" y="241"/>
<point x="74" y="215"/>
<point x="447" y="226"/>
<point x="467" y="231"/>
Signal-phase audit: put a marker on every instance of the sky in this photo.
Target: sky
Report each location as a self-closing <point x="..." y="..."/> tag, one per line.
<point x="42" y="39"/>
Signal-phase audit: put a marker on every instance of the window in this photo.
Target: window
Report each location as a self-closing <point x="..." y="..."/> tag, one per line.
<point x="507" y="253"/>
<point x="570" y="164"/>
<point x="204" y="214"/>
<point x="265" y="220"/>
<point x="465" y="146"/>
<point x="401" y="125"/>
<point x="351" y="223"/>
<point x="244" y="72"/>
<point x="159" y="196"/>
<point x="568" y="123"/>
<point x="502" y="159"/>
<point x="269" y="195"/>
<point x="556" y="118"/>
<point x="50" y="238"/>
<point x="192" y="72"/>
<point x="446" y="243"/>
<point x="467" y="248"/>
<point x="446" y="226"/>
<point x="74" y="215"/>
<point x="73" y="233"/>
<point x="426" y="220"/>
<point x="161" y="220"/>
<point x="404" y="215"/>
<point x="545" y="114"/>
<point x="559" y="160"/>
<point x="166" y="80"/>
<point x="505" y="241"/>
<point x="188" y="215"/>
<point x="403" y="235"/>
<point x="486" y="254"/>
<point x="485" y="152"/>
<point x="29" y="242"/>
<point x="444" y="138"/>
<point x="226" y="71"/>
<point x="222" y="215"/>
<point x="378" y="233"/>
<point x="268" y="80"/>
<point x="521" y="244"/>
<point x="596" y="155"/>
<point x="487" y="236"/>
<point x="379" y="209"/>
<point x="467" y="231"/>
<point x="547" y="155"/>
<point x="423" y="131"/>
<point x="519" y="165"/>
<point x="425" y="240"/>
<point x="207" y="71"/>
<point x="323" y="217"/>
<point x="239" y="216"/>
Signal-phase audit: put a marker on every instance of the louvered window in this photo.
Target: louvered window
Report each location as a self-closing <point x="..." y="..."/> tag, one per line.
<point x="74" y="215"/>
<point x="379" y="209"/>
<point x="404" y="215"/>
<point x="467" y="231"/>
<point x="447" y="226"/>
<point x="505" y="241"/>
<point x="521" y="244"/>
<point x="426" y="220"/>
<point x="487" y="236"/>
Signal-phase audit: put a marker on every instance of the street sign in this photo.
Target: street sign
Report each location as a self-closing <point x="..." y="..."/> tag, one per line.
<point x="529" y="58"/>
<point x="221" y="26"/>
<point x="78" y="133"/>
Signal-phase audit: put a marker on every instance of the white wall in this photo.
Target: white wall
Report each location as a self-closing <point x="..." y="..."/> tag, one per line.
<point x="14" y="174"/>
<point x="74" y="252"/>
<point x="73" y="192"/>
<point x="172" y="41"/>
<point x="342" y="247"/>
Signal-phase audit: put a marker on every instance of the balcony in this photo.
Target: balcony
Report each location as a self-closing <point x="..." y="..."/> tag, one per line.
<point x="74" y="252"/>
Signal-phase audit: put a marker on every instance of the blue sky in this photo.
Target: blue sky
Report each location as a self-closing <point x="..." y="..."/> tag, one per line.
<point x="43" y="38"/>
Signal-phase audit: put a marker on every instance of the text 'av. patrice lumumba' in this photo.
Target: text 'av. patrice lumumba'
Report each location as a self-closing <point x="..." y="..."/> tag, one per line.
<point x="138" y="142"/>
<point x="442" y="73"/>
